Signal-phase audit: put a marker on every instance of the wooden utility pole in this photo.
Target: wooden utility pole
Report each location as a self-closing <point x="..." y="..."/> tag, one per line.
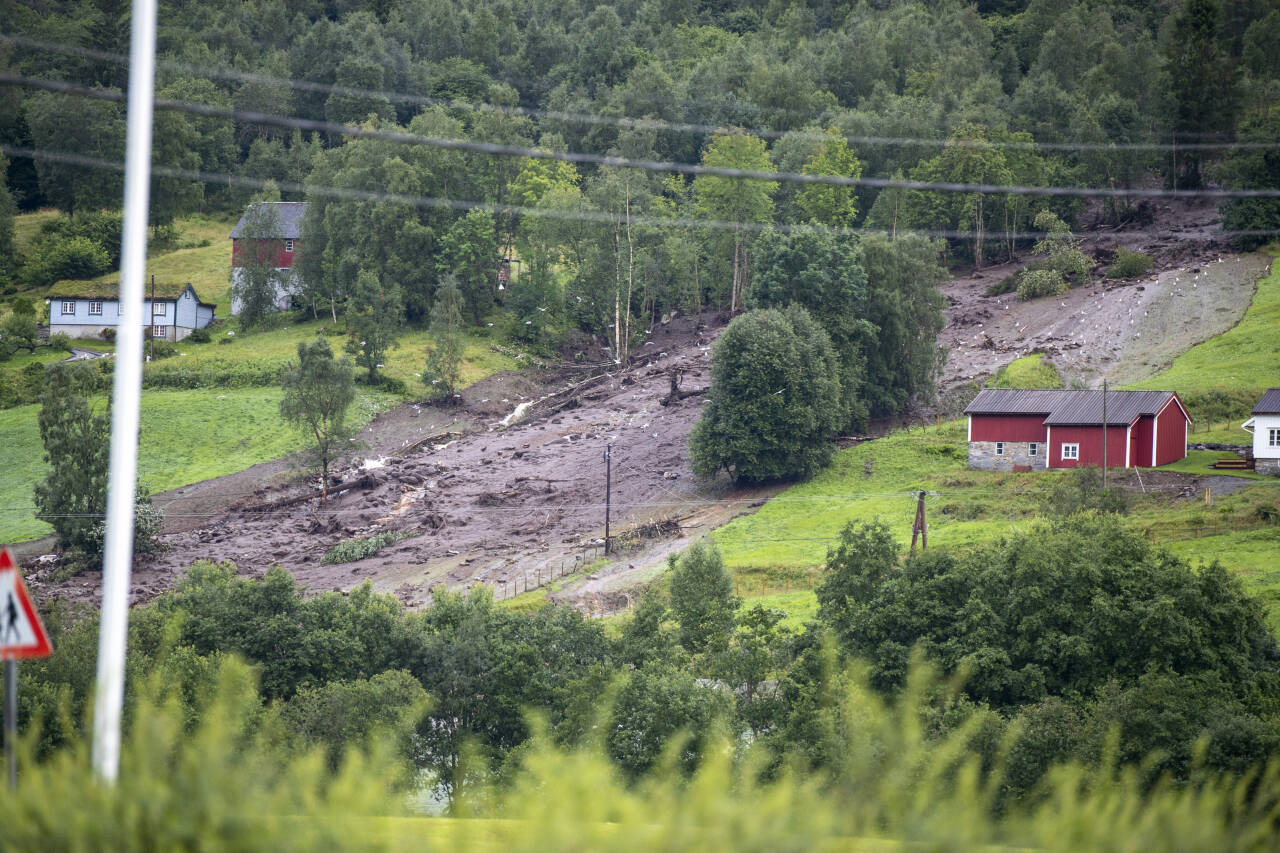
<point x="919" y="528"/>
<point x="152" y="357"/>
<point x="608" y="491"/>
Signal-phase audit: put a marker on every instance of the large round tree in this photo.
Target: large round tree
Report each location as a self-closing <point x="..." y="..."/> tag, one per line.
<point x="774" y="401"/>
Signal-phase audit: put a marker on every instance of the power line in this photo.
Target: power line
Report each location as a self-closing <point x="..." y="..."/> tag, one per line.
<point x="575" y="215"/>
<point x="626" y="122"/>
<point x="658" y="166"/>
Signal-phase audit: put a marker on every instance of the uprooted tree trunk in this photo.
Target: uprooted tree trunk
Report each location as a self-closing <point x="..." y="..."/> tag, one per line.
<point x="675" y="395"/>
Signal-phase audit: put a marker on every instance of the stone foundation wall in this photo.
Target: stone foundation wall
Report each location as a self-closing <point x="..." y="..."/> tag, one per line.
<point x="76" y="330"/>
<point x="1267" y="466"/>
<point x="982" y="454"/>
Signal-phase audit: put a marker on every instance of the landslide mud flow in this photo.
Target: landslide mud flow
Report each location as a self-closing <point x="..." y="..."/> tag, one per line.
<point x="506" y="488"/>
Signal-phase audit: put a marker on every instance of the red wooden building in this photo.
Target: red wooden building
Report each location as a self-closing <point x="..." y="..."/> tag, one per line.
<point x="284" y="221"/>
<point x="1012" y="429"/>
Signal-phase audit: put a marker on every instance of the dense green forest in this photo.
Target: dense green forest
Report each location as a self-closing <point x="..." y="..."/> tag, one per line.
<point x="1046" y="93"/>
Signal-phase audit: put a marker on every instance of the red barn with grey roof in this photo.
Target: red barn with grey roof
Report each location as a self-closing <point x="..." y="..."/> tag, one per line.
<point x="1014" y="429"/>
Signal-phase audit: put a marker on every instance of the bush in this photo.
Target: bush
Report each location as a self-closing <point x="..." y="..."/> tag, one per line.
<point x="212" y="373"/>
<point x="60" y="341"/>
<point x="385" y="383"/>
<point x="1130" y="264"/>
<point x="108" y="334"/>
<point x="199" y="336"/>
<point x="774" y="401"/>
<point x="160" y="349"/>
<point x="1082" y="490"/>
<point x="1034" y="284"/>
<point x="66" y="258"/>
<point x="104" y="228"/>
<point x="350" y="550"/>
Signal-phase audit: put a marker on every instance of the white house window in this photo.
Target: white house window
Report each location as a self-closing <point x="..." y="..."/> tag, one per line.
<point x="999" y="448"/>
<point x="288" y="245"/>
<point x="1273" y="437"/>
<point x="68" y="307"/>
<point x="1033" y="449"/>
<point x="95" y="307"/>
<point x="159" y="309"/>
<point x="157" y="331"/>
<point x="1071" y="451"/>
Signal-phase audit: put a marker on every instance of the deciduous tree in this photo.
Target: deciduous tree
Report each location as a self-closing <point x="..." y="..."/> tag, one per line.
<point x="702" y="599"/>
<point x="318" y="391"/>
<point x="444" y="351"/>
<point x="374" y="319"/>
<point x="737" y="200"/>
<point x="73" y="495"/>
<point x="774" y="401"/>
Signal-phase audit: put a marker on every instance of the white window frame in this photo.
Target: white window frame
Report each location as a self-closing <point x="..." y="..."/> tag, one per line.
<point x="159" y="309"/>
<point x="288" y="245"/>
<point x="1273" y="437"/>
<point x="1033" y="448"/>
<point x="157" y="331"/>
<point x="68" y="306"/>
<point x="999" y="448"/>
<point x="95" y="307"/>
<point x="1071" y="450"/>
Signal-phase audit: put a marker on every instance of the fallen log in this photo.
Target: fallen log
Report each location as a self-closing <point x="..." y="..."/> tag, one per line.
<point x="368" y="481"/>
<point x="409" y="448"/>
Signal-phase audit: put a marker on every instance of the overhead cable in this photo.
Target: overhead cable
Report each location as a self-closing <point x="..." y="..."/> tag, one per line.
<point x="631" y="123"/>
<point x="598" y="217"/>
<point x="658" y="166"/>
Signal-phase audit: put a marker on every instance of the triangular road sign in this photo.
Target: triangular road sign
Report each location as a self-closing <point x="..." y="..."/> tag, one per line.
<point x="22" y="634"/>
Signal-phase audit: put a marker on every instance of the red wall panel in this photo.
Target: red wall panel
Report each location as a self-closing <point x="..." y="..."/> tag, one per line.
<point x="284" y="259"/>
<point x="1141" y="455"/>
<point x="1090" y="440"/>
<point x="1007" y="428"/>
<point x="1171" y="434"/>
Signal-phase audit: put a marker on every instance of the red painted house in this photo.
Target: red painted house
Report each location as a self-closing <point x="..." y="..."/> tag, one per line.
<point x="283" y="222"/>
<point x="1012" y="429"/>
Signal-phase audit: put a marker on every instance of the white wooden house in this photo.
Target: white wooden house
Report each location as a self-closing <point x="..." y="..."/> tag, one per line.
<point x="82" y="309"/>
<point x="1265" y="426"/>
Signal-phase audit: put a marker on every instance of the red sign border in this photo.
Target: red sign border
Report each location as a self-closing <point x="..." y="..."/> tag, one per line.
<point x="41" y="648"/>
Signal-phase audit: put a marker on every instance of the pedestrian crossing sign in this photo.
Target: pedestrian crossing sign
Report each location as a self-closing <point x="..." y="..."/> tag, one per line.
<point x="22" y="634"/>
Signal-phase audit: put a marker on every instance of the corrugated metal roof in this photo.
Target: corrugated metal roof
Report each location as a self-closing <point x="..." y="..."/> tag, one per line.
<point x="1269" y="404"/>
<point x="1069" y="407"/>
<point x="288" y="213"/>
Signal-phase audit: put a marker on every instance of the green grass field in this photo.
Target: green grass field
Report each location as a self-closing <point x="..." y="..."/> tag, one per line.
<point x="187" y="436"/>
<point x="280" y="345"/>
<point x="1030" y="371"/>
<point x="1245" y="357"/>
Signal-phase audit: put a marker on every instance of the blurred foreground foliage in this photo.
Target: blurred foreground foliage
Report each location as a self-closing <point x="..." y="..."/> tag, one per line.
<point x="237" y="780"/>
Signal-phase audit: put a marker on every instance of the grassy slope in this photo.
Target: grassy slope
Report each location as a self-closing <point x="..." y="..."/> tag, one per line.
<point x="207" y="268"/>
<point x="187" y="436"/>
<point x="1245" y="358"/>
<point x="281" y="345"/>
<point x="1030" y="371"/>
